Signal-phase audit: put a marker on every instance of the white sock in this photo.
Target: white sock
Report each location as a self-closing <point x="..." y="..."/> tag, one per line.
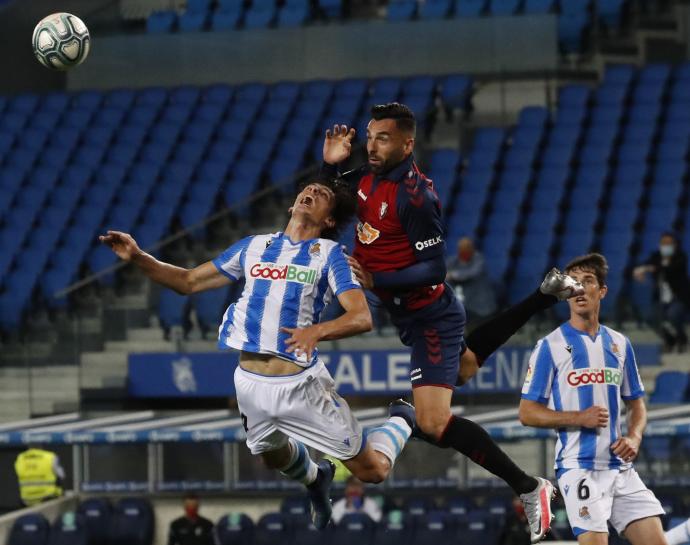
<point x="390" y="438"/>
<point x="301" y="467"/>
<point x="679" y="534"/>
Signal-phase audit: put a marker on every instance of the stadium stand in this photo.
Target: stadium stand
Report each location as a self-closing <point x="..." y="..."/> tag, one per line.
<point x="128" y="136"/>
<point x="31" y="529"/>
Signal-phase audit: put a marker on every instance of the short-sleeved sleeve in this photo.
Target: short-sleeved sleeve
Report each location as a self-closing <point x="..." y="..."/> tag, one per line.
<point x="632" y="387"/>
<point x="340" y="275"/>
<point x="231" y="261"/>
<point x="420" y="215"/>
<point x="540" y="374"/>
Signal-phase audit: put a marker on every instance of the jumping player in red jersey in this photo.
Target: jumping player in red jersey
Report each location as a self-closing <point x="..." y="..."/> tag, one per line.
<point x="400" y="255"/>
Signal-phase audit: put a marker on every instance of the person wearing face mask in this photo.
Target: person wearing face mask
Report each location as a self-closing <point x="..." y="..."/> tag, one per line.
<point x="355" y="502"/>
<point x="466" y="272"/>
<point x="669" y="266"/>
<point x="192" y="528"/>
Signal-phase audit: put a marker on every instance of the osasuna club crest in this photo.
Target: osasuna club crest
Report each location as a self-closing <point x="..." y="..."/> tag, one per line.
<point x="383" y="210"/>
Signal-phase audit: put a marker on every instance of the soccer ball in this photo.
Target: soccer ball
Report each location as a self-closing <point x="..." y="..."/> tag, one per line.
<point x="61" y="41"/>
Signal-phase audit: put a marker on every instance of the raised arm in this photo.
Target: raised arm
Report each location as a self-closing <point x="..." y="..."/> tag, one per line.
<point x="184" y="281"/>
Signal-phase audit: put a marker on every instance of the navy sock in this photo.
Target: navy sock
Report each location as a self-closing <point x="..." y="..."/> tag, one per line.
<point x="470" y="439"/>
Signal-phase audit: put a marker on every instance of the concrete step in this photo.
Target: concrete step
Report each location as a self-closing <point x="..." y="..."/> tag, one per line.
<point x="148" y="334"/>
<point x="139" y="346"/>
<point x="96" y="359"/>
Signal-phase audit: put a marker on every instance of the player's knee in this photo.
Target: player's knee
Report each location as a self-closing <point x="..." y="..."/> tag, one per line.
<point x="433" y="424"/>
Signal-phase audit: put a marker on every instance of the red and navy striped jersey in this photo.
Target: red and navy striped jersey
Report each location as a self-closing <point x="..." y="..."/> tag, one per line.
<point x="399" y="225"/>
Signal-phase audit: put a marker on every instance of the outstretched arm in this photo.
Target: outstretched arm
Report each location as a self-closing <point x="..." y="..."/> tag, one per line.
<point x="357" y="319"/>
<point x="184" y="281"/>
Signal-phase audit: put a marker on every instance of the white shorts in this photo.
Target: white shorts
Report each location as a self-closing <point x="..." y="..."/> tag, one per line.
<point x="304" y="406"/>
<point x="594" y="497"/>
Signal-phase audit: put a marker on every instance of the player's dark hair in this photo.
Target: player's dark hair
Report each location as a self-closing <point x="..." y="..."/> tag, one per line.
<point x="403" y="115"/>
<point x="191" y="496"/>
<point x="345" y="204"/>
<point x="593" y="263"/>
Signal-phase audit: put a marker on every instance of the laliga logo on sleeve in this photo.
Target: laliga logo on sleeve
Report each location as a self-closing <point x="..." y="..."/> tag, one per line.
<point x="585" y="377"/>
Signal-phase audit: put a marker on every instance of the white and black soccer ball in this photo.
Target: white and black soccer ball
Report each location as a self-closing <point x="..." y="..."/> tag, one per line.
<point x="61" y="41"/>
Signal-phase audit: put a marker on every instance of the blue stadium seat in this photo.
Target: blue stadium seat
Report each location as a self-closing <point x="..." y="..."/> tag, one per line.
<point x="161" y="22"/>
<point x="97" y="513"/>
<point x="642" y="298"/>
<point x="672" y="150"/>
<point x="619" y="74"/>
<point x="469" y="8"/>
<point x="293" y="14"/>
<point x="331" y="8"/>
<point x="24" y="103"/>
<point x="69" y="529"/>
<point x="677" y="112"/>
<point x="190" y="21"/>
<point x="385" y="89"/>
<point x="538" y="6"/>
<point x="226" y="18"/>
<point x="132" y="522"/>
<point x="670" y="387"/>
<point x="480" y="529"/>
<point x="503" y="223"/>
<point x="575" y="243"/>
<point x="354" y="528"/>
<point x="305" y="533"/>
<point x="401" y="10"/>
<point x="645" y="113"/>
<point x="456" y="91"/>
<point x="504" y="7"/>
<point x="273" y="528"/>
<point x="31" y="529"/>
<point x="680" y="92"/>
<point x="574" y="96"/>
<point x="611" y="12"/>
<point x="434" y="528"/>
<point x="234" y="529"/>
<point x="571" y="27"/>
<point x="435" y="9"/>
<point x="394" y="529"/>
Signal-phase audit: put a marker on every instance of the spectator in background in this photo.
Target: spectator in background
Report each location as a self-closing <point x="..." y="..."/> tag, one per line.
<point x="467" y="275"/>
<point x="40" y="475"/>
<point x="669" y="266"/>
<point x="355" y="502"/>
<point x="192" y="528"/>
<point x="516" y="529"/>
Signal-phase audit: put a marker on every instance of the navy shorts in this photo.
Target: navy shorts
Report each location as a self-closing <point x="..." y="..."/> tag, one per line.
<point x="436" y="336"/>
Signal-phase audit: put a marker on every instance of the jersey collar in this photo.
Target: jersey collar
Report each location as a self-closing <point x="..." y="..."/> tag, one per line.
<point x="569" y="327"/>
<point x="399" y="172"/>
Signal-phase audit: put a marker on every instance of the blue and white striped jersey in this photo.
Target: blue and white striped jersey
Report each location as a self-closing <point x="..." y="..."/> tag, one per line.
<point x="571" y="371"/>
<point x="288" y="284"/>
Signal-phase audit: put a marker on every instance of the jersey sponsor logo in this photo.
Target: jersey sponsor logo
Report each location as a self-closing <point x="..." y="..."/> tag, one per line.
<point x="421" y="244"/>
<point x="584" y="377"/>
<point x="289" y="273"/>
<point x="366" y="233"/>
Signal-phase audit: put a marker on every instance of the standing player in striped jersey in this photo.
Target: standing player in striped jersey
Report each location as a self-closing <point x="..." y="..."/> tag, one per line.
<point x="400" y="255"/>
<point x="286" y="396"/>
<point x="577" y="376"/>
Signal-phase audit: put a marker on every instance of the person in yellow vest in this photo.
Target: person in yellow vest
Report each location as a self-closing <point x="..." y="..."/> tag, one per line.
<point x="40" y="475"/>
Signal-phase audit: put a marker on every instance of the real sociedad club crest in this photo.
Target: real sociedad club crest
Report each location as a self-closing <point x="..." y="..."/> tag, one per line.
<point x="183" y="375"/>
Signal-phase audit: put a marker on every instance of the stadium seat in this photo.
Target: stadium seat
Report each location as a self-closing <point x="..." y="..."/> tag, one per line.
<point x="434" y="528"/>
<point x="294" y="13"/>
<point x="31" y="529"/>
<point x="571" y="28"/>
<point x="132" y="523"/>
<point x="69" y="529"/>
<point x="273" y="528"/>
<point x="469" y="8"/>
<point x="234" y="529"/>
<point x="161" y="22"/>
<point x="435" y="9"/>
<point x="401" y="10"/>
<point x="538" y="6"/>
<point x="354" y="528"/>
<point x="394" y="529"/>
<point x="504" y="7"/>
<point x="670" y="387"/>
<point x="332" y="9"/>
<point x="97" y="513"/>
